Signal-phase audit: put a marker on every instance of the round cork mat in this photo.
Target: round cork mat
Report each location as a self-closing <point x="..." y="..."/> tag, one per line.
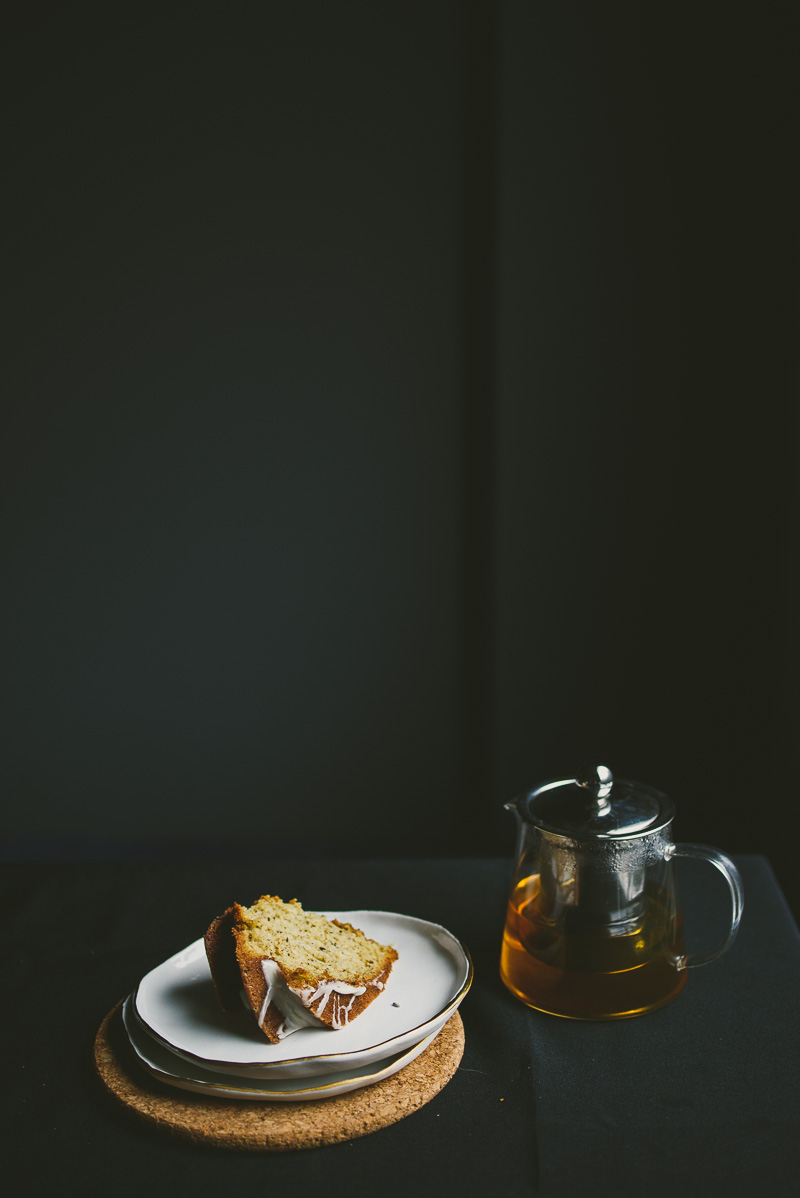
<point x="274" y="1126"/>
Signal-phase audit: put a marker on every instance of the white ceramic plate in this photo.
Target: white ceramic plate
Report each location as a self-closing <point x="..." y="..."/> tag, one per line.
<point x="177" y="1004"/>
<point x="176" y="1071"/>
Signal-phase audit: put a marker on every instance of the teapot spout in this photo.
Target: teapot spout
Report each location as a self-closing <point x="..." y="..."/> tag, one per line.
<point x="513" y="807"/>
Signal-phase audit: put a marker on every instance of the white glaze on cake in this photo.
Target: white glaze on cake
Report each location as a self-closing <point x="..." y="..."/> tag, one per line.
<point x="303" y="1007"/>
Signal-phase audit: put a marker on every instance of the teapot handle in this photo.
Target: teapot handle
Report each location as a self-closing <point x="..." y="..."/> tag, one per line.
<point x="730" y="873"/>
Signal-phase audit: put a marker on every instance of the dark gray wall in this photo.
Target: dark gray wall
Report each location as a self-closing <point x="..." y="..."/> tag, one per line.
<point x="402" y="411"/>
<point x="234" y="374"/>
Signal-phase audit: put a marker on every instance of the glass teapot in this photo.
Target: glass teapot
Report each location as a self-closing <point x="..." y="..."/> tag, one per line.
<point x="593" y="929"/>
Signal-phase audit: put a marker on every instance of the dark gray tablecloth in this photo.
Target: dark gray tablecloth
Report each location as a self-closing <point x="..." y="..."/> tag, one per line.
<point x="699" y="1097"/>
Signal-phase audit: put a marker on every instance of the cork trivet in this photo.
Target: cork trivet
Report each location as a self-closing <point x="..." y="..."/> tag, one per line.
<point x="274" y="1126"/>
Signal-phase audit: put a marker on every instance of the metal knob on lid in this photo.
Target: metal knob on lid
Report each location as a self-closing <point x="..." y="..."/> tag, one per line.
<point x="597" y="780"/>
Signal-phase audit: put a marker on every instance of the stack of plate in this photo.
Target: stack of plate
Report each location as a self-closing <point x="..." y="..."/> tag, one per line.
<point x="182" y="1037"/>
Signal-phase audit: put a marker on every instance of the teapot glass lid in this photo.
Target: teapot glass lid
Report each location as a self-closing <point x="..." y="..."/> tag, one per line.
<point x="597" y="806"/>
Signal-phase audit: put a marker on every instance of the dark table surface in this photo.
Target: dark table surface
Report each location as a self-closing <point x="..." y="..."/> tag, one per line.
<point x="701" y="1096"/>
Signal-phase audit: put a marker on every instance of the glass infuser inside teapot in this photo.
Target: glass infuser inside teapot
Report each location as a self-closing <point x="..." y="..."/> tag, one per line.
<point x="593" y="929"/>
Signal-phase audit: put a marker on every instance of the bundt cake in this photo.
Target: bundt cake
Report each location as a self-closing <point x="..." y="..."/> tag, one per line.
<point x="294" y="968"/>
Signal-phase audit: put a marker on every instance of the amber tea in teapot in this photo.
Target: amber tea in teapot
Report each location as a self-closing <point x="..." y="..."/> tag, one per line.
<point x="584" y="969"/>
<point x="593" y="928"/>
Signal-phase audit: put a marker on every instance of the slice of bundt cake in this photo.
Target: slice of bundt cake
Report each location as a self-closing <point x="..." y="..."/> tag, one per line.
<point x="295" y="968"/>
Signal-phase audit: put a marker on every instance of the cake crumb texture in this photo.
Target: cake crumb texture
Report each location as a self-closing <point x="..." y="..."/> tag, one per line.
<point x="307" y="946"/>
